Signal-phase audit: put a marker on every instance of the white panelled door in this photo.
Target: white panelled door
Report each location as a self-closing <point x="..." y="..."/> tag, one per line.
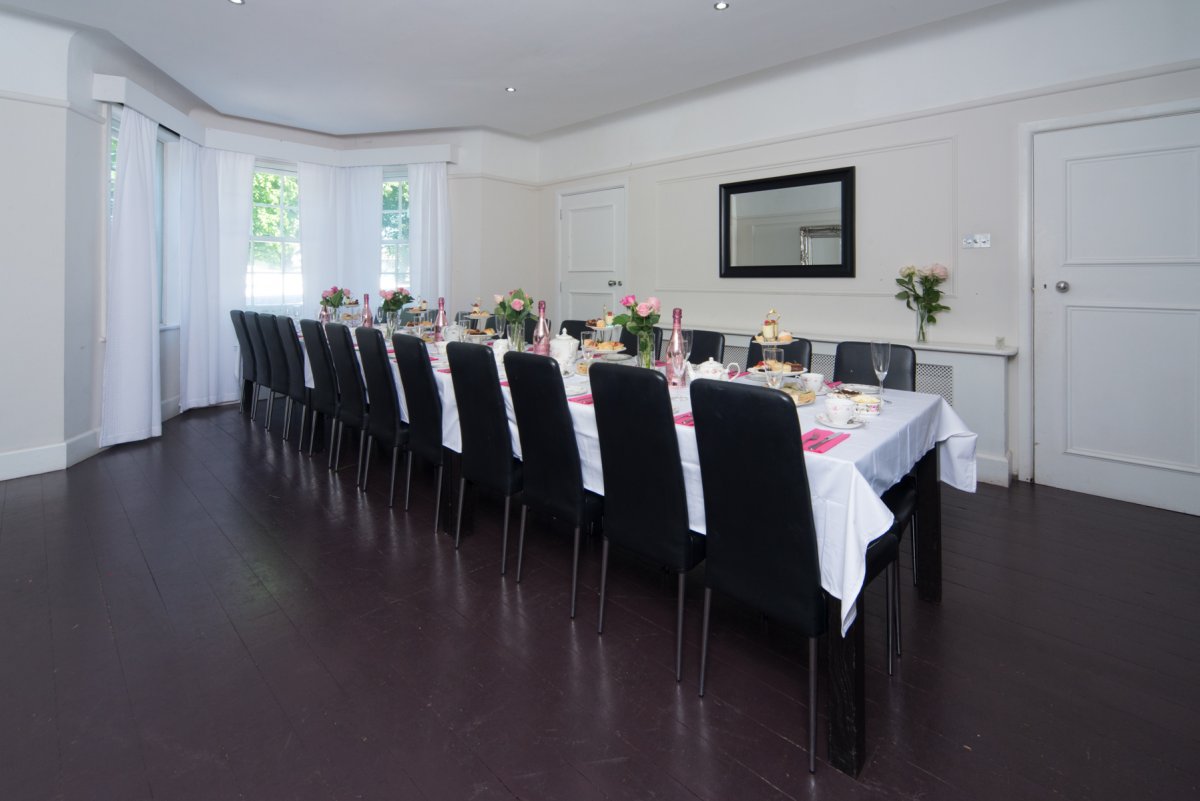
<point x="592" y="252"/>
<point x="1117" y="310"/>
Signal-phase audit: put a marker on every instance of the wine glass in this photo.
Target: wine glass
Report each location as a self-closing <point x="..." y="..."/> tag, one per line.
<point x="881" y="359"/>
<point x="686" y="334"/>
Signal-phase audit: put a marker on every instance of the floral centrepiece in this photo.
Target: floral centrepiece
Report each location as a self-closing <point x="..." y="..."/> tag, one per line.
<point x="515" y="308"/>
<point x="335" y="297"/>
<point x="640" y="321"/>
<point x="394" y="299"/>
<point x="919" y="289"/>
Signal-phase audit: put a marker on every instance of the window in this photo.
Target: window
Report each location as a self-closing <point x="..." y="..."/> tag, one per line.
<point x="273" y="275"/>
<point x="394" y="267"/>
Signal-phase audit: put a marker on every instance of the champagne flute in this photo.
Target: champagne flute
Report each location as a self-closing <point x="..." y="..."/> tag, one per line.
<point x="881" y="360"/>
<point x="686" y="333"/>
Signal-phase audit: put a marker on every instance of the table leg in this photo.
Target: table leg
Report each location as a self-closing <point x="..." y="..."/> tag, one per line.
<point x="928" y="530"/>
<point x="847" y="706"/>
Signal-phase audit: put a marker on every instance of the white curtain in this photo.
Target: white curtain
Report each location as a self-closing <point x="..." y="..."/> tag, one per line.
<point x="360" y="228"/>
<point x="429" y="229"/>
<point x="131" y="408"/>
<point x="318" y="232"/>
<point x="215" y="232"/>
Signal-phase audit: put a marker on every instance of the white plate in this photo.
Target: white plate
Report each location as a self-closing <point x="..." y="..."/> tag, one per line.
<point x="573" y="390"/>
<point x="861" y="389"/>
<point x="825" y="421"/>
<point x="605" y="351"/>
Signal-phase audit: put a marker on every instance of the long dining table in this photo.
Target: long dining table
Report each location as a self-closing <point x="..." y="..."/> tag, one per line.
<point x="916" y="432"/>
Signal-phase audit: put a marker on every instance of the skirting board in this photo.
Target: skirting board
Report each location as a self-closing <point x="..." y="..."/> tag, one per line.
<point x="994" y="469"/>
<point x="48" y="458"/>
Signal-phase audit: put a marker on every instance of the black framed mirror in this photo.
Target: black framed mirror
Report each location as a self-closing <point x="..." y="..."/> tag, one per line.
<point x="790" y="226"/>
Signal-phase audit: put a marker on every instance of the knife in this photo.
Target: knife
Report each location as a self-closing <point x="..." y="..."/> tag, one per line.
<point x="819" y="443"/>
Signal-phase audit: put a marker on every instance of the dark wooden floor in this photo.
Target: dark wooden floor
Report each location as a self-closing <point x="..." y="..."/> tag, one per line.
<point x="211" y="616"/>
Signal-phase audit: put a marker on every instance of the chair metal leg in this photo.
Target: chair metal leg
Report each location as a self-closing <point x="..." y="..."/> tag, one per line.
<point x="303" y="427"/>
<point x="408" y="483"/>
<point x="335" y="452"/>
<point x="504" y="537"/>
<point x="912" y="540"/>
<point x="254" y="401"/>
<point x="679" y="629"/>
<point x="312" y="437"/>
<point x="437" y="503"/>
<point x="896" y="604"/>
<point x="812" y="704"/>
<point x="392" y="490"/>
<point x="520" y="543"/>
<point x="363" y="459"/>
<point x="890" y="576"/>
<point x="603" y="583"/>
<point x="575" y="570"/>
<point x="287" y="417"/>
<point x="462" y="488"/>
<point x="704" y="639"/>
<point x="270" y="409"/>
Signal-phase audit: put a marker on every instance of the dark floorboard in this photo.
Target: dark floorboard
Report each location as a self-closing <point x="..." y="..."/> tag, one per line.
<point x="211" y="616"/>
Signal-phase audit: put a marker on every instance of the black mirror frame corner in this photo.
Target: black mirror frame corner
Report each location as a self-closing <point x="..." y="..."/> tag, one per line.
<point x="840" y="175"/>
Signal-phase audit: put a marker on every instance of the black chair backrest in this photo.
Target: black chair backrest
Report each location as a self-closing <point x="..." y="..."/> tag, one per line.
<point x="487" y="453"/>
<point x="352" y="401"/>
<point x="262" y="363"/>
<point x="630" y="341"/>
<point x="574" y="327"/>
<point x="645" y="504"/>
<point x="421" y="397"/>
<point x="384" y="422"/>
<point x="763" y="553"/>
<point x="244" y="347"/>
<point x="707" y="345"/>
<point x="798" y="351"/>
<point x="293" y="353"/>
<point x="553" y="477"/>
<point x="324" y="394"/>
<point x="275" y="355"/>
<point x="852" y="364"/>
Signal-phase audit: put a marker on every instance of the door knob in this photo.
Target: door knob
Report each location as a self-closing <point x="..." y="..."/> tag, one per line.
<point x="615" y="283"/>
<point x="1062" y="286"/>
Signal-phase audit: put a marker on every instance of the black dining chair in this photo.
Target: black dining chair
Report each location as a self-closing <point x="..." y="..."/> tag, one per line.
<point x="798" y="351"/>
<point x="552" y="472"/>
<point x="645" y="509"/>
<point x="262" y="364"/>
<point x="707" y="345"/>
<point x="487" y="452"/>
<point x="353" y="410"/>
<point x="383" y="423"/>
<point x="323" y="397"/>
<point x="249" y="377"/>
<point x="765" y="554"/>
<point x="424" y="406"/>
<point x="280" y="377"/>
<point x="297" y="392"/>
<point x="852" y="365"/>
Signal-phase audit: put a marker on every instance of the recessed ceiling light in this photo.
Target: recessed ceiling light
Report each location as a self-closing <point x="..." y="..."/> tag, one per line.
<point x="717" y="6"/>
<point x="510" y="89"/>
<point x="238" y="2"/>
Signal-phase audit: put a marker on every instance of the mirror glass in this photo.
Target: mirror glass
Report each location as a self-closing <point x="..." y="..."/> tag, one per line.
<point x="789" y="226"/>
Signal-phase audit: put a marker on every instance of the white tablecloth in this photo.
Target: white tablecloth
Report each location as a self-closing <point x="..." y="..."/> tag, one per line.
<point x="845" y="483"/>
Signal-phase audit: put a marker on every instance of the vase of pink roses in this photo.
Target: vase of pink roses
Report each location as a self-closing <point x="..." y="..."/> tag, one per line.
<point x="919" y="289"/>
<point x="332" y="300"/>
<point x="640" y="321"/>
<point x="514" y="309"/>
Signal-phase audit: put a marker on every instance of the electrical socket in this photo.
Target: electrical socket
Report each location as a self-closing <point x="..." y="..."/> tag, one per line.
<point x="977" y="241"/>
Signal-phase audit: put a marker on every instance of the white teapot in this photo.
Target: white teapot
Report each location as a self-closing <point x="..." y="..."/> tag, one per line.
<point x="713" y="369"/>
<point x="564" y="348"/>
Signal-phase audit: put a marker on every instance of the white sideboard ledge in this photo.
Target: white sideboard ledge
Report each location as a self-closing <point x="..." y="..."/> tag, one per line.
<point x="974" y="349"/>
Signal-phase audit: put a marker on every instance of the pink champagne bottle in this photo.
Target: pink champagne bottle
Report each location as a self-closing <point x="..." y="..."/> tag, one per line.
<point x="675" y="355"/>
<point x="439" y="322"/>
<point x="541" y="333"/>
<point x="367" y="316"/>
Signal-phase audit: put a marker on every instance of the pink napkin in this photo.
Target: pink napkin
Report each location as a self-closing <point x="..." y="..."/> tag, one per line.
<point x="504" y="383"/>
<point x="833" y="384"/>
<point x="586" y="400"/>
<point x="685" y="419"/>
<point x="443" y="369"/>
<point x="658" y="363"/>
<point x="742" y="374"/>
<point x="818" y="434"/>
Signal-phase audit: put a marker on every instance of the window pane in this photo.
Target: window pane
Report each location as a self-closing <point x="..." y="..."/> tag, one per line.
<point x="266" y="221"/>
<point x="291" y="257"/>
<point x="391" y="226"/>
<point x="266" y="188"/>
<point x="402" y="263"/>
<point x="289" y="190"/>
<point x="290" y="224"/>
<point x="391" y="195"/>
<point x="268" y="290"/>
<point x="265" y="256"/>
<point x="293" y="288"/>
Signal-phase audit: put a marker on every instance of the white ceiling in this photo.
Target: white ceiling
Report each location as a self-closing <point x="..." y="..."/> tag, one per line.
<point x="367" y="66"/>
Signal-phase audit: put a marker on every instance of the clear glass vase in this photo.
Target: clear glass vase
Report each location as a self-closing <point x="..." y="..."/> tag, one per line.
<point x="646" y="348"/>
<point x="922" y="321"/>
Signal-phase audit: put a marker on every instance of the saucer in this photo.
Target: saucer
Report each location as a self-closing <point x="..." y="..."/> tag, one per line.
<point x="825" y="421"/>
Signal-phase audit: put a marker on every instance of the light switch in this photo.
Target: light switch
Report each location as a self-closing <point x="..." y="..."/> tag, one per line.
<point x="977" y="241"/>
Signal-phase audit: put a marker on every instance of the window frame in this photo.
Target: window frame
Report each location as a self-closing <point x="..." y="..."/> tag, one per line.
<point x="282" y="304"/>
<point x="394" y="277"/>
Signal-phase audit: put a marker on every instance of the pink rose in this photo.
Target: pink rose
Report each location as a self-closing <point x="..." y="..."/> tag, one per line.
<point x="386" y="294"/>
<point x="517" y="304"/>
<point x="908" y="272"/>
<point x="401" y="290"/>
<point x="328" y="293"/>
<point x="629" y="300"/>
<point x="644" y="309"/>
<point x="498" y="298"/>
<point x="655" y="304"/>
<point x="939" y="271"/>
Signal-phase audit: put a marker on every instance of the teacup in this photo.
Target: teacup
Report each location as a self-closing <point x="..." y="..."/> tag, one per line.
<point x="839" y="410"/>
<point x="499" y="348"/>
<point x="812" y="382"/>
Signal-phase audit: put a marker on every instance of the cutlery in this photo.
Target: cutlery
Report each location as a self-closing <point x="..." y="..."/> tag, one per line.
<point x="813" y="446"/>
